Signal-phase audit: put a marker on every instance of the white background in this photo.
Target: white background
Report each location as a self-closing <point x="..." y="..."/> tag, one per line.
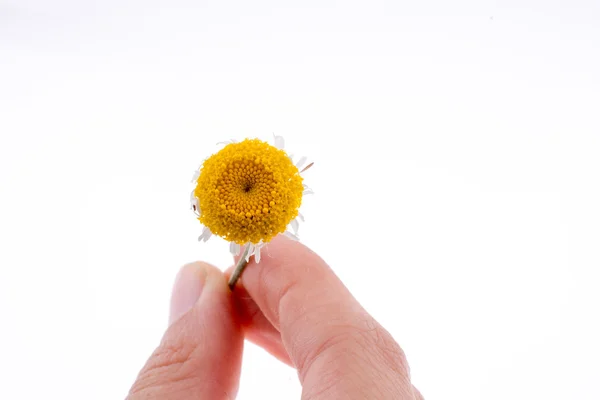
<point x="456" y="148"/>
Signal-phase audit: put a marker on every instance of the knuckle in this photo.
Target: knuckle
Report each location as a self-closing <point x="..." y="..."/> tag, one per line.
<point x="358" y="356"/>
<point x="366" y="340"/>
<point x="384" y="347"/>
<point x="171" y="354"/>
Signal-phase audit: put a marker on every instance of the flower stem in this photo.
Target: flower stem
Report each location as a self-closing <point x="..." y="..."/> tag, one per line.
<point x="239" y="268"/>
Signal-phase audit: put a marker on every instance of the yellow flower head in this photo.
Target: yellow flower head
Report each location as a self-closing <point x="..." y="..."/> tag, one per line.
<point x="247" y="193"/>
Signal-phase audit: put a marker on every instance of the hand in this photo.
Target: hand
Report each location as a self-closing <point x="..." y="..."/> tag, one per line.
<point x="291" y="304"/>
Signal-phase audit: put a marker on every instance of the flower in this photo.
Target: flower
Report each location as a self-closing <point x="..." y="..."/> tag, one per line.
<point x="249" y="192"/>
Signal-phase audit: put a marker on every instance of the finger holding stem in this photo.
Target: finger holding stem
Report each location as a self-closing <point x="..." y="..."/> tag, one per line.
<point x="327" y="334"/>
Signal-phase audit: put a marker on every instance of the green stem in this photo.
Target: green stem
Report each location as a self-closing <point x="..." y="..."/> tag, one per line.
<point x="239" y="268"/>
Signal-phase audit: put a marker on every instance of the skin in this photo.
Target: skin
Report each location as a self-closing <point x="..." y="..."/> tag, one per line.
<point x="292" y="305"/>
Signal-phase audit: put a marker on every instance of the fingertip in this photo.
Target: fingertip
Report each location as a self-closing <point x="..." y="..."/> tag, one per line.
<point x="187" y="288"/>
<point x="191" y="281"/>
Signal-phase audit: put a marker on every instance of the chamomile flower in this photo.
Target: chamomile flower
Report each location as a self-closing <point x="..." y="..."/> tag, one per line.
<point x="248" y="193"/>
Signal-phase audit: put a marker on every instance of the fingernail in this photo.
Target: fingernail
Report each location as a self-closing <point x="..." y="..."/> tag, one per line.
<point x="186" y="290"/>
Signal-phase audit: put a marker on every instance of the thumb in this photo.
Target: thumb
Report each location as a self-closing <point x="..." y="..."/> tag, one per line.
<point x="200" y="355"/>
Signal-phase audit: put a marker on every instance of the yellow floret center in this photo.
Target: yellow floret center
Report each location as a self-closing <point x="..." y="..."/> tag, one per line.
<point x="248" y="192"/>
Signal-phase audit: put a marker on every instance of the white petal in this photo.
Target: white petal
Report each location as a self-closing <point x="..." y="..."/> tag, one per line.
<point x="308" y="191"/>
<point x="257" y="251"/>
<point x="295" y="225"/>
<point x="291" y="235"/>
<point x="205" y="235"/>
<point x="234" y="248"/>
<point x="196" y="175"/>
<point x="257" y="254"/>
<point x="250" y="252"/>
<point x="307" y="167"/>
<point x="278" y="141"/>
<point x="194" y="204"/>
<point x="301" y="162"/>
<point x="301" y="217"/>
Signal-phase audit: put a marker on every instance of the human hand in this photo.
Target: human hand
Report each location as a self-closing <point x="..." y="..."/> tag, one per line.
<point x="291" y="304"/>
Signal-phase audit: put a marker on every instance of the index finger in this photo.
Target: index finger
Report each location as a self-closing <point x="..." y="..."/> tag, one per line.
<point x="327" y="333"/>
